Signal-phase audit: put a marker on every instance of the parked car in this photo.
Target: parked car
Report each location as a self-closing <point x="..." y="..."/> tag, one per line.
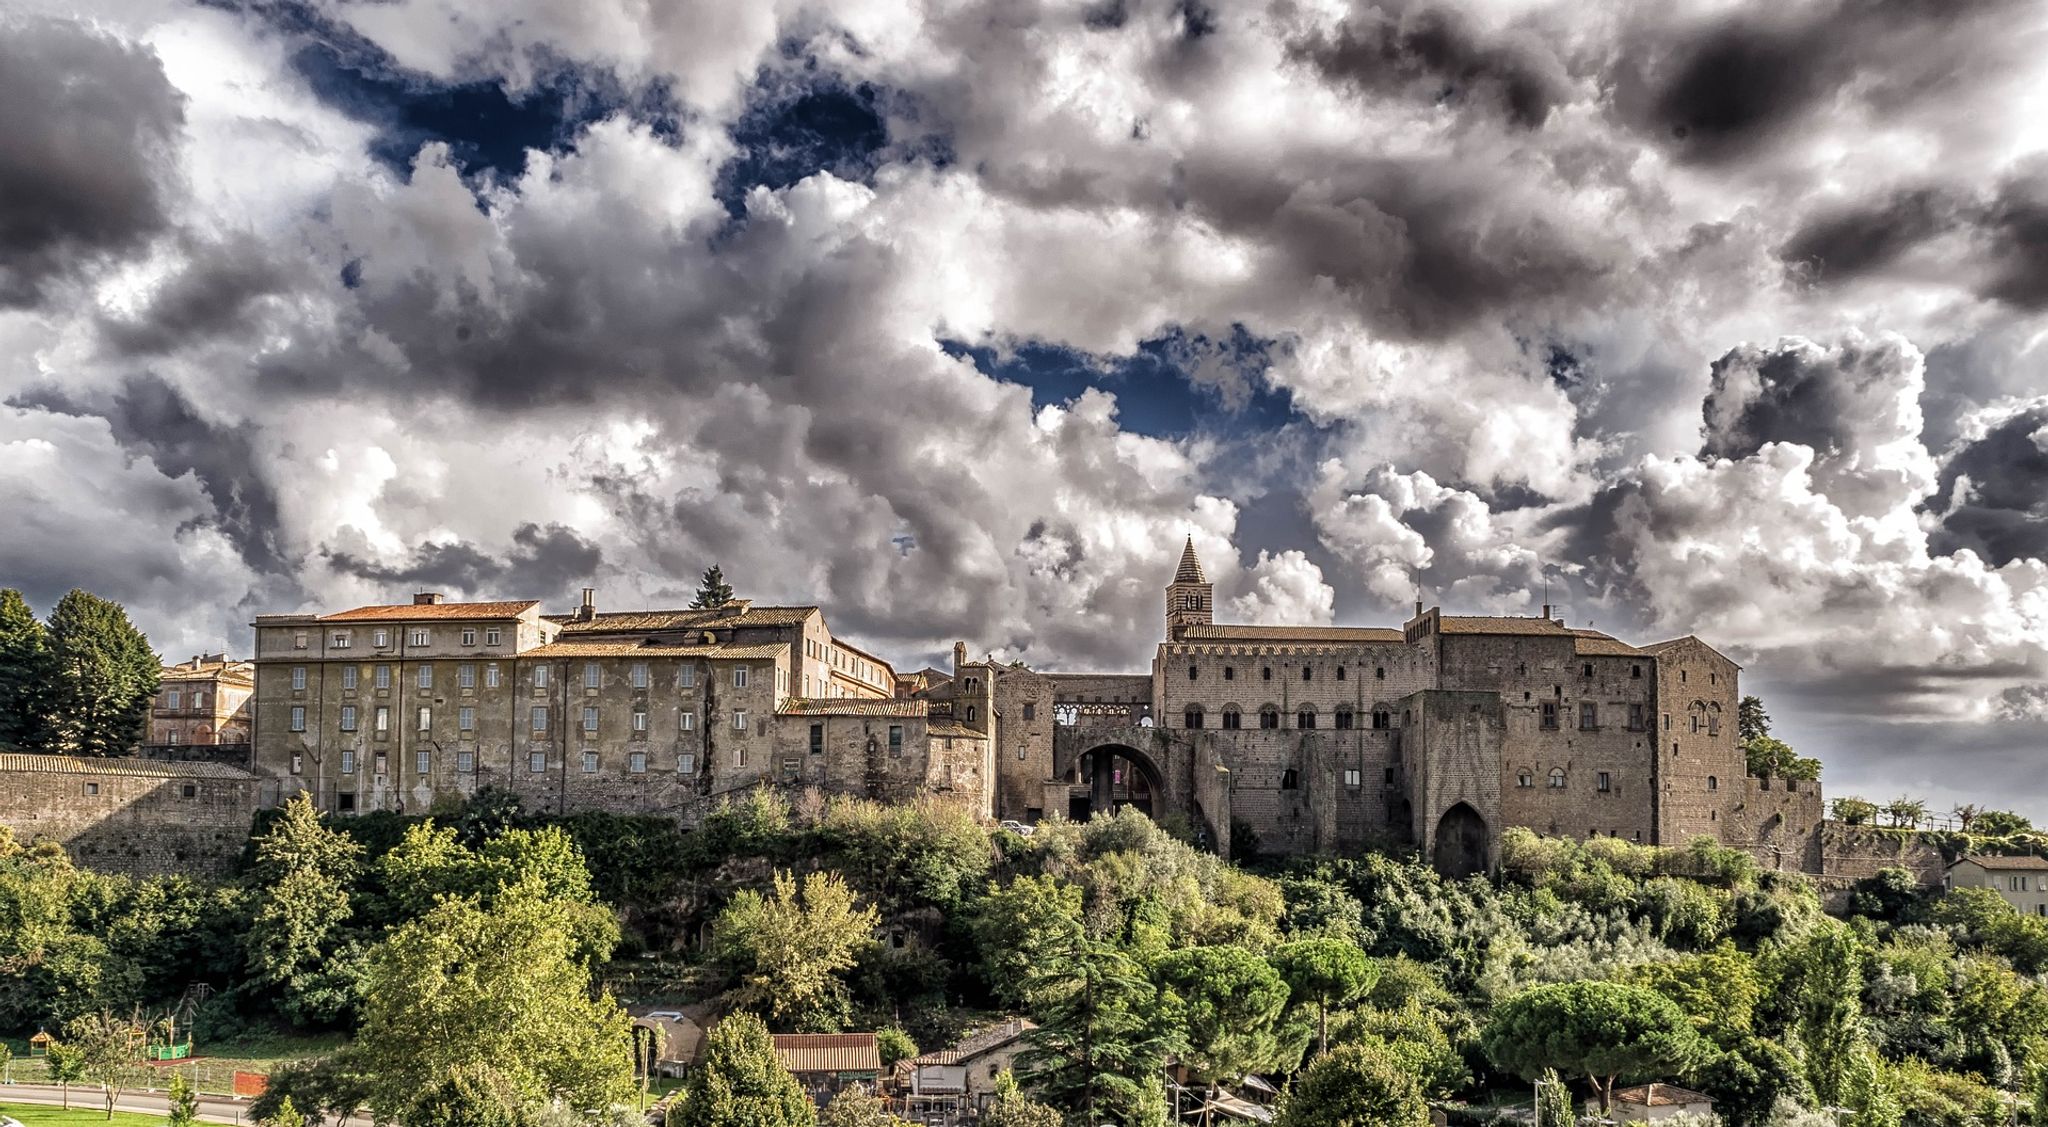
<point x="1018" y="828"/>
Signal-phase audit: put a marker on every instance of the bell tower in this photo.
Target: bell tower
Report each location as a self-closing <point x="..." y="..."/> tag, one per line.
<point x="1189" y="598"/>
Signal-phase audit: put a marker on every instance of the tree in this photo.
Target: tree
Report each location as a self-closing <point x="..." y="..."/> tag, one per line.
<point x="1824" y="979"/>
<point x="1853" y="811"/>
<point x="285" y="1116"/>
<point x="1905" y="812"/>
<point x="894" y="1045"/>
<point x="1100" y="1041"/>
<point x="28" y="677"/>
<point x="1553" y="1101"/>
<point x="1009" y="1108"/>
<point x="1717" y="990"/>
<point x="1020" y="925"/>
<point x="790" y="949"/>
<point x="495" y="995"/>
<point x="1751" y="721"/>
<point x="66" y="1067"/>
<point x="1867" y="1094"/>
<point x="2002" y="823"/>
<point x="106" y="1047"/>
<point x="1227" y="1003"/>
<point x="107" y="675"/>
<point x="1353" y="1086"/>
<point x="853" y="1107"/>
<point x="1325" y="973"/>
<point x="184" y="1102"/>
<point x="1748" y="1081"/>
<point x="739" y="1083"/>
<point x="1965" y="814"/>
<point x="713" y="592"/>
<point x="1600" y="1030"/>
<point x="1773" y="758"/>
<point x="295" y="944"/>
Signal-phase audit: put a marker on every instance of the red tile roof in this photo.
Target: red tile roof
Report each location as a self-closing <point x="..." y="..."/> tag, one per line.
<point x="855" y="706"/>
<point x="433" y="612"/>
<point x="2012" y="864"/>
<point x="1593" y="643"/>
<point x="120" y="765"/>
<point x="828" y="1052"/>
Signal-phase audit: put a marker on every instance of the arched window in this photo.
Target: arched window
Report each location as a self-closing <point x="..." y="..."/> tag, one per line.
<point x="1289" y="780"/>
<point x="1193" y="717"/>
<point x="1191" y="672"/>
<point x="1525" y="778"/>
<point x="1713" y="783"/>
<point x="1305" y="718"/>
<point x="1383" y="718"/>
<point x="1557" y="778"/>
<point x="970" y="714"/>
<point x="1232" y="718"/>
<point x="1344" y="718"/>
<point x="1379" y="673"/>
<point x="1269" y="716"/>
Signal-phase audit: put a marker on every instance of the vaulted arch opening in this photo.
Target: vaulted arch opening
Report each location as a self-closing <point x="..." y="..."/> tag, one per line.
<point x="1116" y="776"/>
<point x="1460" y="849"/>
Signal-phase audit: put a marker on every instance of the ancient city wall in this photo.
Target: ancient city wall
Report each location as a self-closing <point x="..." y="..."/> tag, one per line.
<point x="132" y="816"/>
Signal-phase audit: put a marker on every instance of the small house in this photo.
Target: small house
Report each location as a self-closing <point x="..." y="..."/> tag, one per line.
<point x="826" y="1062"/>
<point x="2022" y="881"/>
<point x="954" y="1085"/>
<point x="678" y="1035"/>
<point x="1650" y="1102"/>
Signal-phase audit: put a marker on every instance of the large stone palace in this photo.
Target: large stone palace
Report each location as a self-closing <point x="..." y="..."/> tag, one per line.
<point x="1436" y="734"/>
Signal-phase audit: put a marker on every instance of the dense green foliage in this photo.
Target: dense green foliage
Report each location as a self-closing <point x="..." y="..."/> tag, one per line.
<point x="1354" y="1086"/>
<point x="82" y="683"/>
<point x="737" y="1082"/>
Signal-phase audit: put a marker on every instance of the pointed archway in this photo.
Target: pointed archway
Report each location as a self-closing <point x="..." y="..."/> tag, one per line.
<point x="1117" y="775"/>
<point x="1460" y="842"/>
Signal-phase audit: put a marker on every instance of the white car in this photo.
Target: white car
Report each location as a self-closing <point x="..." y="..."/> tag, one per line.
<point x="9" y="1121"/>
<point x="1010" y="824"/>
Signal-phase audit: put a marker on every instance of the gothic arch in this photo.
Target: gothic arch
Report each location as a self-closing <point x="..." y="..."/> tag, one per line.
<point x="1460" y="848"/>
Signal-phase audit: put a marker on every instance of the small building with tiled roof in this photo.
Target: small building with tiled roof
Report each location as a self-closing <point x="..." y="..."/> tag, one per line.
<point x="956" y="1084"/>
<point x="1647" y="1103"/>
<point x="204" y="702"/>
<point x="825" y="1063"/>
<point x="131" y="815"/>
<point x="2021" y="880"/>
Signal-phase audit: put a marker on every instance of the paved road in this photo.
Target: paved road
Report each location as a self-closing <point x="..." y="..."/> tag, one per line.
<point x="212" y="1109"/>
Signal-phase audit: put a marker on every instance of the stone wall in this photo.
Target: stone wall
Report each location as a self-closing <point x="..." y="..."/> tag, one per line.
<point x="133" y="816"/>
<point x="1850" y="853"/>
<point x="1779" y="822"/>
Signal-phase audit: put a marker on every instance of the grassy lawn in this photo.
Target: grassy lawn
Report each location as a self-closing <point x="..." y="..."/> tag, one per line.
<point x="35" y="1115"/>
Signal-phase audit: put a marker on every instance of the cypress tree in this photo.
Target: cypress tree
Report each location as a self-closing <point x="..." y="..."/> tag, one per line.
<point x="107" y="675"/>
<point x="713" y="592"/>
<point x="28" y="677"/>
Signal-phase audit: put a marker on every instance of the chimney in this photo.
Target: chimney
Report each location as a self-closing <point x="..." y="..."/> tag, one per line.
<point x="588" y="610"/>
<point x="427" y="599"/>
<point x="1546" y="610"/>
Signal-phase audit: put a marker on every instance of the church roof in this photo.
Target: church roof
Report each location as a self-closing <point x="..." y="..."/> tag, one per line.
<point x="1255" y="633"/>
<point x="1190" y="570"/>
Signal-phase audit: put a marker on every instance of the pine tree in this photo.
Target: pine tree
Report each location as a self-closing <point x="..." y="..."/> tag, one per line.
<point x="739" y="1083"/>
<point x="107" y="675"/>
<point x="714" y="591"/>
<point x="1100" y="1041"/>
<point x="184" y="1103"/>
<point x="28" y="676"/>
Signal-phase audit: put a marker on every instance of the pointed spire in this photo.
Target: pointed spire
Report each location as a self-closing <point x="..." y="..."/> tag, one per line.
<point x="1190" y="568"/>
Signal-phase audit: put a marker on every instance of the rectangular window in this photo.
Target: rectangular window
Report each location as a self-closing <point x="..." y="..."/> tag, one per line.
<point x="377" y="763"/>
<point x="789" y="770"/>
<point x="686" y="677"/>
<point x="172" y="698"/>
<point x="382" y="719"/>
<point x="686" y="763"/>
<point x="895" y="740"/>
<point x="536" y="761"/>
<point x="465" y="761"/>
<point x="299" y="640"/>
<point x="171" y="737"/>
<point x="689" y="721"/>
<point x="739" y="719"/>
<point x="1549" y="716"/>
<point x="540" y="676"/>
<point x="739" y="677"/>
<point x="465" y="676"/>
<point x="1635" y="718"/>
<point x="640" y="721"/>
<point x="636" y="762"/>
<point x="469" y="635"/>
<point x="380" y="638"/>
<point x="493" y="636"/>
<point x="1667" y="721"/>
<point x="540" y="718"/>
<point x="590" y="718"/>
<point x="1030" y="712"/>
<point x="348" y="678"/>
<point x="348" y="762"/>
<point x="739" y="756"/>
<point x="298" y="718"/>
<point x="491" y="675"/>
<point x="348" y="718"/>
<point x="1589" y="716"/>
<point x="425" y="677"/>
<point x="817" y="739"/>
<point x="589" y="762"/>
<point x="639" y="674"/>
<point x="92" y="789"/>
<point x="465" y="719"/>
<point x="593" y="675"/>
<point x="298" y="680"/>
<point x="422" y="762"/>
<point x="420" y="637"/>
<point x="345" y="802"/>
<point x="1351" y="777"/>
<point x="340" y="640"/>
<point x="1604" y="782"/>
<point x="381" y="677"/>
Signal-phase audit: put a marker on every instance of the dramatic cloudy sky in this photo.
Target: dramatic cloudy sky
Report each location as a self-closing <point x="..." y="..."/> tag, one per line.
<point x="955" y="316"/>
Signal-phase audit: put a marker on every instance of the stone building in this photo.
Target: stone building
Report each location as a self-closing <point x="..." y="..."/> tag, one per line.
<point x="204" y="702"/>
<point x="137" y="816"/>
<point x="398" y="707"/>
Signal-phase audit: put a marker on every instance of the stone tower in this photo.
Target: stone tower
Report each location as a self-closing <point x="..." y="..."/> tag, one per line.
<point x="1189" y="598"/>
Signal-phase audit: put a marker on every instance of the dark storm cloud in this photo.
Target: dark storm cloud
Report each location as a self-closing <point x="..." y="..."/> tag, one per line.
<point x="1796" y="393"/>
<point x="1435" y="52"/>
<point x="1993" y="495"/>
<point x="2014" y="233"/>
<point x="1718" y="93"/>
<point x="86" y="123"/>
<point x="544" y="561"/>
<point x="2004" y="255"/>
<point x="1847" y="243"/>
<point x="151" y="418"/>
<point x="211" y="296"/>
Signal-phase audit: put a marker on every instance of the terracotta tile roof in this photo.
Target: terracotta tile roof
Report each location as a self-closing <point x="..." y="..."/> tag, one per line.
<point x="1593" y="643"/>
<point x="656" y="650"/>
<point x="973" y="1045"/>
<point x="1674" y="643"/>
<point x="1660" y="1095"/>
<point x="952" y="730"/>
<point x="1498" y="624"/>
<point x="433" y="612"/>
<point x="854" y="706"/>
<point x="92" y="765"/>
<point x="2028" y="864"/>
<point x="1332" y="634"/>
<point x="828" y="1052"/>
<point x="685" y="618"/>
